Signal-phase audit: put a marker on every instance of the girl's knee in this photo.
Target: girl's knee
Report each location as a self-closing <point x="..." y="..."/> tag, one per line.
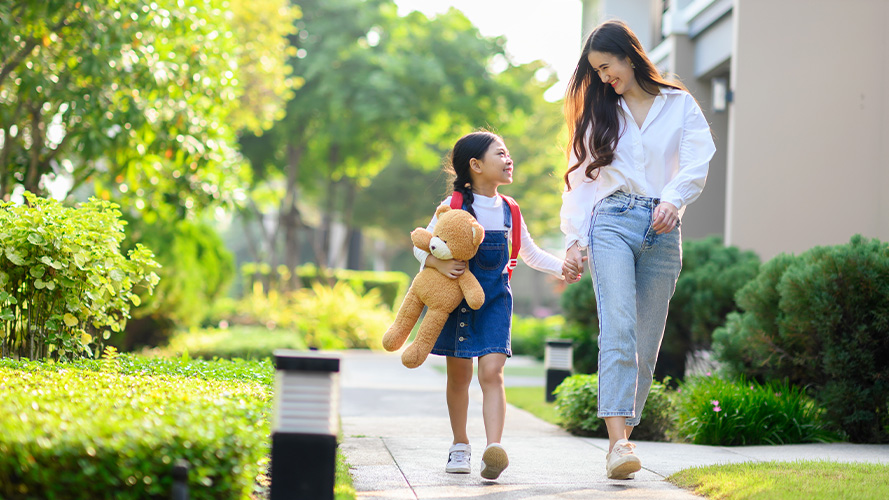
<point x="490" y="377"/>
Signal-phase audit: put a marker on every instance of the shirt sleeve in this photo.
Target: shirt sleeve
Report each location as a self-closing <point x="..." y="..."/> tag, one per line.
<point x="537" y="258"/>
<point x="696" y="149"/>
<point x="577" y="205"/>
<point x="422" y="254"/>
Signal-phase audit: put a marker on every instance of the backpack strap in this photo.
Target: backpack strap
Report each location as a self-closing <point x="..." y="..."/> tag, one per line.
<point x="516" y="232"/>
<point x="515" y="213"/>
<point x="457" y="200"/>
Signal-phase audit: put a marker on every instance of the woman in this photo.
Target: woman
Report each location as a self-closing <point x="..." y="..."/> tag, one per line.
<point x="639" y="152"/>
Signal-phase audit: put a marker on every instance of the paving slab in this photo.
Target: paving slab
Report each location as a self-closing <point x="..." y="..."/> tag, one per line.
<point x="396" y="436"/>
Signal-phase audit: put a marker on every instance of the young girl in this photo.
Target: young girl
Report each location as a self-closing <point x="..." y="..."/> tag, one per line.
<point x="479" y="164"/>
<point x="640" y="149"/>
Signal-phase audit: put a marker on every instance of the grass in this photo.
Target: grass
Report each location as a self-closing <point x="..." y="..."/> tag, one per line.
<point x="343" y="489"/>
<point x="812" y="480"/>
<point x="533" y="400"/>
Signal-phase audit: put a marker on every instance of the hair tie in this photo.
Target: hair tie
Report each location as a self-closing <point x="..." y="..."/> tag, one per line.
<point x="468" y="185"/>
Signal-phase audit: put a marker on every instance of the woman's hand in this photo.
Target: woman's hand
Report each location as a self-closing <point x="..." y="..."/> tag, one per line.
<point x="451" y="268"/>
<point x="665" y="218"/>
<point x="572" y="268"/>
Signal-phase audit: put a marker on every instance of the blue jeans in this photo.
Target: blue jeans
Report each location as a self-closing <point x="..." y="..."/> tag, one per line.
<point x="634" y="273"/>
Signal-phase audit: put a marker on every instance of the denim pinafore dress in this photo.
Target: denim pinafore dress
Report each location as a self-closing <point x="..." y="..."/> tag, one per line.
<point x="469" y="333"/>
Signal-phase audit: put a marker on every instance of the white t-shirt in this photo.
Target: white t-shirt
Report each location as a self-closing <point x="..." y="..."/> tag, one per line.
<point x="489" y="213"/>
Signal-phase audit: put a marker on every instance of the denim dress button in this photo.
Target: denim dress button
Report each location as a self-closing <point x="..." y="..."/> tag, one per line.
<point x="461" y="339"/>
<point x="462" y="309"/>
<point x="462" y="324"/>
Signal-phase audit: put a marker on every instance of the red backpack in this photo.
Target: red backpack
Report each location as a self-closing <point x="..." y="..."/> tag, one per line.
<point x="457" y="202"/>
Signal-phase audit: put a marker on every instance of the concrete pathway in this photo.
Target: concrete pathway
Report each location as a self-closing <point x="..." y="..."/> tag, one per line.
<point x="396" y="438"/>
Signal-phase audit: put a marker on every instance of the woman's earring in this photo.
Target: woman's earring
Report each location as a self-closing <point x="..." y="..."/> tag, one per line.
<point x="632" y="65"/>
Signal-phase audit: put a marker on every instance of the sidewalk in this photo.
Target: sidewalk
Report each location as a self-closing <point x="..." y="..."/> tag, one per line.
<point x="396" y="437"/>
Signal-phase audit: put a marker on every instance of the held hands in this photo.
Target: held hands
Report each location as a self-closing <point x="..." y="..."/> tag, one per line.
<point x="665" y="218"/>
<point x="572" y="268"/>
<point x="451" y="268"/>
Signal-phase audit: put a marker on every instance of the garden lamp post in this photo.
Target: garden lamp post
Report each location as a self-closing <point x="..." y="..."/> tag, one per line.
<point x="557" y="361"/>
<point x="304" y="426"/>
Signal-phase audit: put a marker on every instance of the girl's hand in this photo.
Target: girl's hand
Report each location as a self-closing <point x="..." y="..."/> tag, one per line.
<point x="572" y="267"/>
<point x="665" y="218"/>
<point x="451" y="268"/>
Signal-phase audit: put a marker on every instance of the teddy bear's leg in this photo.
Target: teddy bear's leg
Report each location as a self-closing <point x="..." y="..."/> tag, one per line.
<point x="405" y="320"/>
<point x="428" y="333"/>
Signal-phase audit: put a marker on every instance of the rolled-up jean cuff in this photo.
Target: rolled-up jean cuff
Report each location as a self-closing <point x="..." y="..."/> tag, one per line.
<point x="631" y="420"/>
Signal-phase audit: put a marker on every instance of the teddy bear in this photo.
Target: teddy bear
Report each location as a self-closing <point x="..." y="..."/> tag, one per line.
<point x="457" y="235"/>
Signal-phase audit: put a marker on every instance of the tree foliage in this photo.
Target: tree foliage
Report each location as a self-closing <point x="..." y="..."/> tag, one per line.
<point x="139" y="97"/>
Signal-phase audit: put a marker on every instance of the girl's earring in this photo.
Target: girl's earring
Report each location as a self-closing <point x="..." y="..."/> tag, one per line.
<point x="632" y="65"/>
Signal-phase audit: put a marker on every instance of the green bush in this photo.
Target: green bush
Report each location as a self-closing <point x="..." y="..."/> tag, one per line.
<point x="64" y="283"/>
<point x="245" y="342"/>
<point x="577" y="404"/>
<point x="196" y="272"/>
<point x="715" y="411"/>
<point x="821" y="320"/>
<point x="65" y="428"/>
<point x="529" y="334"/>
<point x="391" y="285"/>
<point x="327" y="317"/>
<point x="705" y="294"/>
<point x="711" y="274"/>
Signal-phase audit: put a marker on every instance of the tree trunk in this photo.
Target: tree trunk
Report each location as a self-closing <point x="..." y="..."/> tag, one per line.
<point x="290" y="217"/>
<point x="32" y="179"/>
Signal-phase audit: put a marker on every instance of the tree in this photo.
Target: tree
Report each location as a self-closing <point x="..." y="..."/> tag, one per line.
<point x="135" y="96"/>
<point x="374" y="83"/>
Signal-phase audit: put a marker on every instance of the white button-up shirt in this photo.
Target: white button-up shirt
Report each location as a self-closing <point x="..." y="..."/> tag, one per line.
<point x="667" y="158"/>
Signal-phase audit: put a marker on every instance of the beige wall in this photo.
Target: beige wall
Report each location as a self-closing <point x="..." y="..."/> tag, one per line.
<point x="809" y="127"/>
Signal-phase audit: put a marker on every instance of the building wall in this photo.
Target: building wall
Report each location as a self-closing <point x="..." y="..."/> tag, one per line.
<point x="809" y="125"/>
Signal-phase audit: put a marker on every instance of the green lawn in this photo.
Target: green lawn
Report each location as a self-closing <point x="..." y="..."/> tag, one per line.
<point x="343" y="490"/>
<point x="811" y="480"/>
<point x="533" y="400"/>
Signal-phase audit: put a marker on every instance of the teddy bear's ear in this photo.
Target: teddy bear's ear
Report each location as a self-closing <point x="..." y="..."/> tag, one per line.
<point x="478" y="233"/>
<point x="442" y="209"/>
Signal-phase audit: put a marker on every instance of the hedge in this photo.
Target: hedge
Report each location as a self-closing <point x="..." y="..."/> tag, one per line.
<point x="67" y="431"/>
<point x="820" y="320"/>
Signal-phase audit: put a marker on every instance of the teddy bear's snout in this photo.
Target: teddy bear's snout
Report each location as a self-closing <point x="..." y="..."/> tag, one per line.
<point x="439" y="248"/>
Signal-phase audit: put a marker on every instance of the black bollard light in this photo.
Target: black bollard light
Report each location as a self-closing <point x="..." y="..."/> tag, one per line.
<point x="180" y="480"/>
<point x="558" y="359"/>
<point x="304" y="426"/>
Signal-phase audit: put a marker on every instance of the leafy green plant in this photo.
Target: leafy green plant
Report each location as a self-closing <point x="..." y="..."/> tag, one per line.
<point x="326" y="317"/>
<point x="247" y="342"/>
<point x="529" y="334"/>
<point x="716" y="411"/>
<point x="820" y="320"/>
<point x="195" y="273"/>
<point x="64" y="283"/>
<point x="577" y="404"/>
<point x="66" y="428"/>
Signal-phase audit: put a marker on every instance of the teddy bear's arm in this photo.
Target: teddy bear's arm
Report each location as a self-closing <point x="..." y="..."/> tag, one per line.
<point x="421" y="238"/>
<point x="472" y="290"/>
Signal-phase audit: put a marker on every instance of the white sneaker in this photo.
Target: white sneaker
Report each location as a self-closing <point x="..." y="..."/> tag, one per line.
<point x="622" y="463"/>
<point x="494" y="461"/>
<point x="458" y="459"/>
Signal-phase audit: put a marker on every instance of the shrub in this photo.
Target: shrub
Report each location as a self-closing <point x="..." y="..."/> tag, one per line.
<point x="66" y="428"/>
<point x="196" y="272"/>
<point x="705" y="293"/>
<point x="246" y="342"/>
<point x="821" y="320"/>
<point x="715" y="411"/>
<point x="327" y="317"/>
<point x="391" y="285"/>
<point x="577" y="405"/>
<point x="529" y="334"/>
<point x="711" y="274"/>
<point x="64" y="283"/>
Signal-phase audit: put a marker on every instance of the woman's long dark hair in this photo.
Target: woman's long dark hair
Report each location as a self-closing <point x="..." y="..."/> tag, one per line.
<point x="589" y="103"/>
<point x="473" y="145"/>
